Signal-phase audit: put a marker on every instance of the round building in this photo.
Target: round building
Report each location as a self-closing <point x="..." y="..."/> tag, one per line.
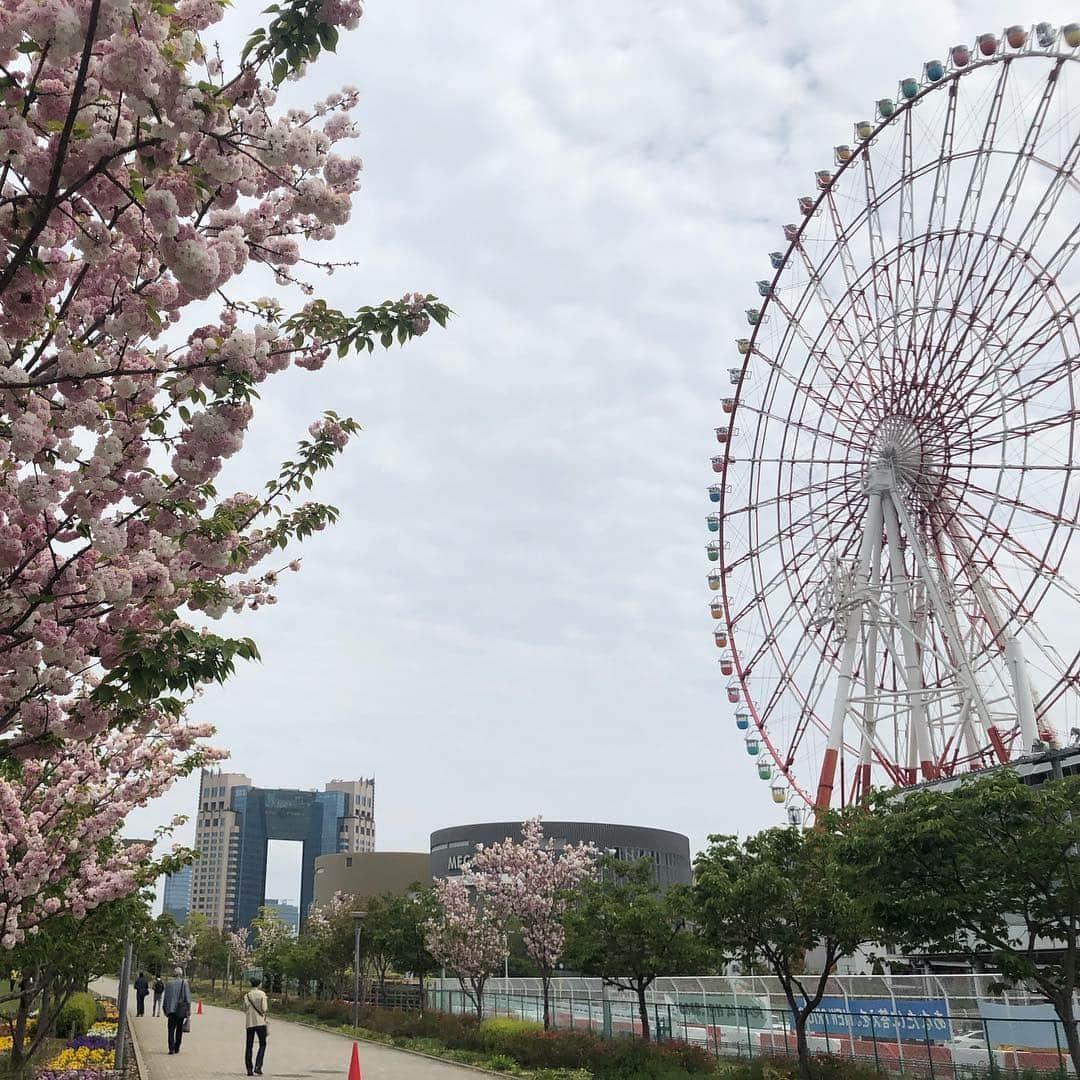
<point x="668" y="851"/>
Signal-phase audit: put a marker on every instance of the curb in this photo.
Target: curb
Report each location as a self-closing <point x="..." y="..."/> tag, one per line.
<point x="372" y="1042"/>
<point x="399" y="1049"/>
<point x="140" y="1061"/>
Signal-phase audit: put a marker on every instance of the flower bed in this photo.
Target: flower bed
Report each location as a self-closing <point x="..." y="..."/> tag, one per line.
<point x="91" y="1056"/>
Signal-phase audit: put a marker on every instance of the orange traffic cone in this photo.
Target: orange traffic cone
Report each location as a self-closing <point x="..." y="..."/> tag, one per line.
<point x="198" y="1011"/>
<point x="354" y="1065"/>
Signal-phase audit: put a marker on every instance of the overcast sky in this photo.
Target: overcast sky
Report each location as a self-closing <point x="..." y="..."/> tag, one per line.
<point x="511" y="616"/>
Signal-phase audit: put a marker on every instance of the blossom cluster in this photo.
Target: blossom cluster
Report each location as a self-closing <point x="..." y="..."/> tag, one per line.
<point x="62" y="808"/>
<point x="139" y="180"/>
<point x="532" y="881"/>
<point x="467" y="936"/>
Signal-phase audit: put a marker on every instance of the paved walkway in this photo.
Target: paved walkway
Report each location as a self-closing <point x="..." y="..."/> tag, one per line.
<point x="215" y="1048"/>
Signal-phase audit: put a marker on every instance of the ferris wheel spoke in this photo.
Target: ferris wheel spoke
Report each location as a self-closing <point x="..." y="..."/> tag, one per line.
<point x="879" y="279"/>
<point x="853" y="347"/>
<point x="935" y="225"/>
<point x="817" y="353"/>
<point x="1034" y="427"/>
<point x="1011" y="323"/>
<point x="785" y="498"/>
<point x="813" y="518"/>
<point x="1002" y="213"/>
<point x="968" y="215"/>
<point x="815" y="429"/>
<point x="904" y="287"/>
<point x="1015" y="503"/>
<point x="1045" y="575"/>
<point x="783" y="574"/>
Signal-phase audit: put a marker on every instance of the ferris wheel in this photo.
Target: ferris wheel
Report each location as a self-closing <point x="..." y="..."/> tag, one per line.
<point x="897" y="485"/>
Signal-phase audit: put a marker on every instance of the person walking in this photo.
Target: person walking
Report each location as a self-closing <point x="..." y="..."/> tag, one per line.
<point x="142" y="988"/>
<point x="255" y="1004"/>
<point x="176" y="1004"/>
<point x="159" y="989"/>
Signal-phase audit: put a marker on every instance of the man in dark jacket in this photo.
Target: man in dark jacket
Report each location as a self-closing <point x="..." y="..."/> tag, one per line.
<point x="142" y="988"/>
<point x="159" y="989"/>
<point x="176" y="1004"/>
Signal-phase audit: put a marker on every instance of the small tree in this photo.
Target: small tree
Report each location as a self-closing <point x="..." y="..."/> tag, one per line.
<point x="773" y="898"/>
<point x="624" y="930"/>
<point x="239" y="952"/>
<point x="532" y="883"/>
<point x="406" y="916"/>
<point x="272" y="939"/>
<point x="992" y="867"/>
<point x="467" y="935"/>
<point x="330" y="927"/>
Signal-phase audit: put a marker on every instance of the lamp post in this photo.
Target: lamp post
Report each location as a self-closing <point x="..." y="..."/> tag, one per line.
<point x="358" y="923"/>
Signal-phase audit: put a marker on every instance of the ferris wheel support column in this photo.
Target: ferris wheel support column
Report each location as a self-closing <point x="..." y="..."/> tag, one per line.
<point x="871" y="539"/>
<point x="946" y="616"/>
<point x="1025" y="705"/>
<point x="862" y="785"/>
<point x="921" y="742"/>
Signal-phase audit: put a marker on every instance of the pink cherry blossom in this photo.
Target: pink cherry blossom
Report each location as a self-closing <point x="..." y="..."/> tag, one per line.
<point x="532" y="882"/>
<point x="140" y="179"/>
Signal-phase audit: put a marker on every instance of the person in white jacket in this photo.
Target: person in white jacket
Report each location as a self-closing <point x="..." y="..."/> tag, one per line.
<point x="255" y="1004"/>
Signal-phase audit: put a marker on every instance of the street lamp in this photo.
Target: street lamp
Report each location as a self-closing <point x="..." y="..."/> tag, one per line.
<point x="358" y="923"/>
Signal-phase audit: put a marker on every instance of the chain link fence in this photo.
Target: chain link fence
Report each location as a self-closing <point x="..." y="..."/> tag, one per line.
<point x="934" y="1026"/>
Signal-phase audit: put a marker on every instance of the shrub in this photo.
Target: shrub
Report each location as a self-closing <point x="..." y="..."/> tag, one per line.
<point x="823" y="1067"/>
<point x="75" y="1018"/>
<point x="501" y="1063"/>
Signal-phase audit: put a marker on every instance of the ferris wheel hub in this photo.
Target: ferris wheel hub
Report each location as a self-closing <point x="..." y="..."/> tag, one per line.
<point x="898" y="447"/>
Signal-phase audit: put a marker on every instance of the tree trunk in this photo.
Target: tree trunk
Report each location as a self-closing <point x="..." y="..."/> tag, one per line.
<point x="18" y="1035"/>
<point x="643" y="1010"/>
<point x="545" y="983"/>
<point x="1063" y="1006"/>
<point x="478" y="991"/>
<point x="801" y="1044"/>
<point x="423" y="1002"/>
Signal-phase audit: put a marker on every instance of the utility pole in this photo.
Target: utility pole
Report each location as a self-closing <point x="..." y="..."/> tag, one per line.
<point x="358" y="922"/>
<point x="121" y="1006"/>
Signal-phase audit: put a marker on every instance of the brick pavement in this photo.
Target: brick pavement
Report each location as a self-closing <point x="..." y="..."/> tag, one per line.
<point x="215" y="1048"/>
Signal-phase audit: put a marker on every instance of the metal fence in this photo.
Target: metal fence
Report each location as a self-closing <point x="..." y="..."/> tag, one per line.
<point x="913" y="1034"/>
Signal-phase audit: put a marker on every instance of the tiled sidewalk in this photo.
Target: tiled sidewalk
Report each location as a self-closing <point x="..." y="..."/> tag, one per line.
<point x="215" y="1048"/>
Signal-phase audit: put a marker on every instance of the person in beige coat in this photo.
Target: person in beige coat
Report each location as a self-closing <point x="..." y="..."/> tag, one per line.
<point x="255" y="1005"/>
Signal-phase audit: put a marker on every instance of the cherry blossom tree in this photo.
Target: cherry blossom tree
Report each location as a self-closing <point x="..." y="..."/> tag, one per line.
<point x="181" y="948"/>
<point x="139" y="180"/>
<point x="468" y="935"/>
<point x="239" y="950"/>
<point x="60" y="813"/>
<point x="532" y="882"/>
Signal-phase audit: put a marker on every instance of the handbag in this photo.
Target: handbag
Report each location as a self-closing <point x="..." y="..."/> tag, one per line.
<point x="187" y="1022"/>
<point x="183" y="1005"/>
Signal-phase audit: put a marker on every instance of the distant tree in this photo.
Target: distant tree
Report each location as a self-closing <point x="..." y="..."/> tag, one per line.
<point x="152" y="944"/>
<point x="627" y="932"/>
<point x="468" y="935"/>
<point x="532" y="884"/>
<point x="210" y="950"/>
<point x="991" y="867"/>
<point x="273" y="937"/>
<point x="377" y="940"/>
<point x="239" y="952"/>
<point x="408" y="949"/>
<point x="330" y="926"/>
<point x="773" y="898"/>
